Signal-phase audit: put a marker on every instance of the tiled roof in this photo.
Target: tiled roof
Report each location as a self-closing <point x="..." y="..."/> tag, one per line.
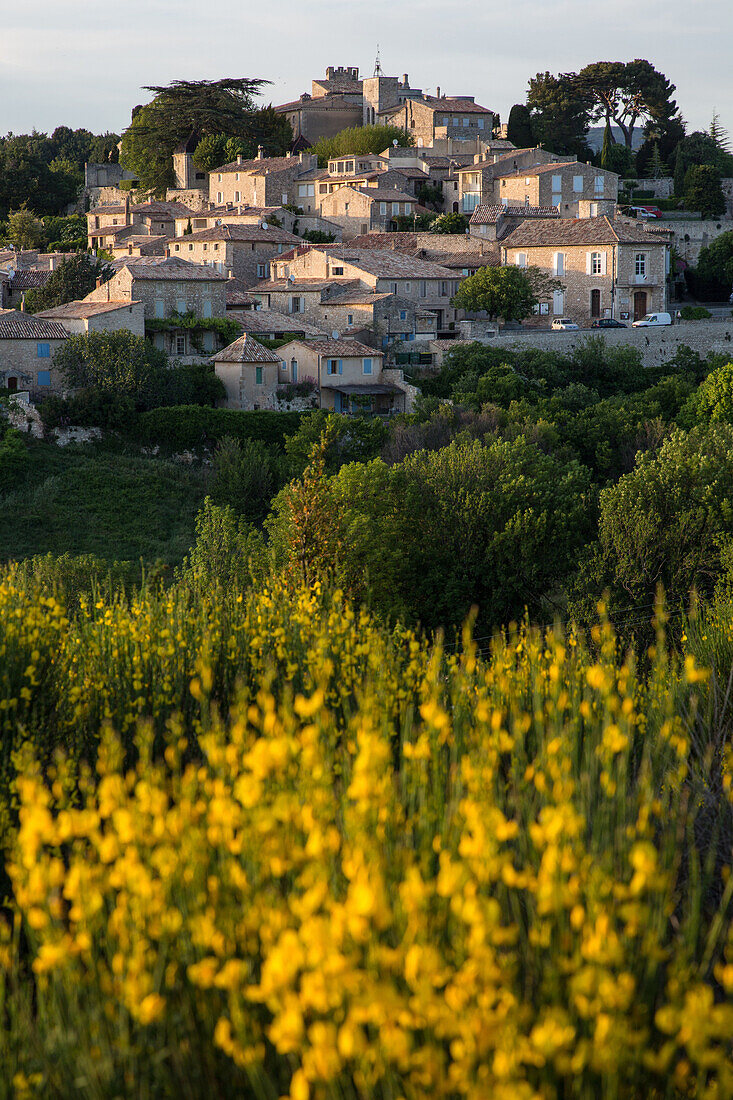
<point x="246" y="350"/>
<point x="490" y="214"/>
<point x="580" y="231"/>
<point x="15" y="325"/>
<point x="166" y="267"/>
<point x="27" y="278"/>
<point x="269" y="164"/>
<point x="491" y="257"/>
<point x="271" y="320"/>
<point x="344" y="348"/>
<point x="173" y="209"/>
<point x="554" y="167"/>
<point x="358" y="298"/>
<point x="385" y="263"/>
<point x="226" y="232"/>
<point x="83" y="309"/>
<point x="301" y="285"/>
<point x="449" y="105"/>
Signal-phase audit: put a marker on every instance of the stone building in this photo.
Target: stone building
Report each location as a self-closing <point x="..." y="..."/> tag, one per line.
<point x="250" y="373"/>
<point x="476" y="179"/>
<point x="108" y="224"/>
<point x="350" y="376"/>
<point x="433" y="119"/>
<point x="82" y="317"/>
<point x="366" y="209"/>
<point x="27" y="348"/>
<point x="607" y="267"/>
<point x="186" y="176"/>
<point x="563" y="185"/>
<point x="493" y="222"/>
<point x="167" y="288"/>
<point x="243" y="251"/>
<point x="264" y="181"/>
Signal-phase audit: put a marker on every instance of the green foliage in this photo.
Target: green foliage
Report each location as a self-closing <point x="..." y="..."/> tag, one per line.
<point x="211" y="151"/>
<point x="246" y="476"/>
<point x="703" y="191"/>
<point x="113" y="506"/>
<point x="189" y="427"/>
<point x="615" y="157"/>
<point x="559" y="113"/>
<point x="115" y="361"/>
<point x="227" y="555"/>
<point x="359" y="140"/>
<point x="183" y="107"/>
<point x="430" y="194"/>
<point x="505" y="292"/>
<point x="46" y="172"/>
<point x="491" y="525"/>
<point x="317" y="236"/>
<point x="662" y="524"/>
<point x="695" y="313"/>
<point x="226" y="329"/>
<point x="25" y="230"/>
<point x="625" y="92"/>
<point x="715" y="262"/>
<point x="71" y="280"/>
<point x="699" y="148"/>
<point x="712" y="401"/>
<point x="519" y="127"/>
<point x="349" y="439"/>
<point x="13" y="459"/>
<point x="449" y="223"/>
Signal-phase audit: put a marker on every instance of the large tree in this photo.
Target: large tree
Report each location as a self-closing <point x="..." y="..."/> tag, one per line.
<point x="72" y="279"/>
<point x="507" y="292"/>
<point x="519" y="127"/>
<point x="715" y="262"/>
<point x="703" y="190"/>
<point x="201" y="107"/>
<point x="559" y="113"/>
<point x="626" y="93"/>
<point x="360" y="140"/>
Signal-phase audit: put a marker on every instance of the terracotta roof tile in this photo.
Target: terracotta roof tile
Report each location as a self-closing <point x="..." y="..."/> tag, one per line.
<point x="246" y="350"/>
<point x="15" y="325"/>
<point x="83" y="309"/>
<point x="342" y="348"/>
<point x="580" y="231"/>
<point x="269" y="164"/>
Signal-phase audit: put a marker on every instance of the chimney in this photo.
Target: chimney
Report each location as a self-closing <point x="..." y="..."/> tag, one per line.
<point x="437" y="92"/>
<point x="99" y="281"/>
<point x="405" y="81"/>
<point x="127" y="209"/>
<point x="260" y="153"/>
<point x="239" y="158"/>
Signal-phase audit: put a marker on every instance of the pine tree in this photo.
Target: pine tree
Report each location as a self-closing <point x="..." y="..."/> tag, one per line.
<point x="656" y="168"/>
<point x="718" y="133"/>
<point x="608" y="141"/>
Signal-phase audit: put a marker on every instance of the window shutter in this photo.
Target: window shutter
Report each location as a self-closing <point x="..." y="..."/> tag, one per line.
<point x="588" y="263"/>
<point x="341" y="366"/>
<point x="603" y="263"/>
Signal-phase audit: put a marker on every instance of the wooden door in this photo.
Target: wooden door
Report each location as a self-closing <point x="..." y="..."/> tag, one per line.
<point x="639" y="304"/>
<point x="595" y="303"/>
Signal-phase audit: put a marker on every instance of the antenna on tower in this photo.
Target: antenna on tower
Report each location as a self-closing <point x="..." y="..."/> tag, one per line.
<point x="378" y="64"/>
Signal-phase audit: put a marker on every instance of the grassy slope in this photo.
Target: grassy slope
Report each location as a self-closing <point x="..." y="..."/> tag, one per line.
<point x="116" y="506"/>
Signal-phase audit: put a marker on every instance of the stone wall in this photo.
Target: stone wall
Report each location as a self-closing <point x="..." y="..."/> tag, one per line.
<point x="690" y="235"/>
<point x="19" y="359"/>
<point x="657" y="345"/>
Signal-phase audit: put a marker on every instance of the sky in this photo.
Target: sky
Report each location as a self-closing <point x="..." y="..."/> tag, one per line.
<point x="83" y="62"/>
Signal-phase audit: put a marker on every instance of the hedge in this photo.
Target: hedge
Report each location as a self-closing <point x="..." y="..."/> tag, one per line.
<point x="191" y="427"/>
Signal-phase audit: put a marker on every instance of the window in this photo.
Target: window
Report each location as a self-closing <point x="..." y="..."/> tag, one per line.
<point x="403" y="315"/>
<point x="180" y="345"/>
<point x="334" y="366"/>
<point x="480" y="124"/>
<point x="640" y="264"/>
<point x="159" y="307"/>
<point x="296" y="305"/>
<point x="395" y="208"/>
<point x="466" y="121"/>
<point x="43" y="351"/>
<point x="216" y="248"/>
<point x="218" y="178"/>
<point x="177" y="248"/>
<point x="471" y="200"/>
<point x="558" y="303"/>
<point x="383" y="209"/>
<point x="559" y="265"/>
<point x="393" y="287"/>
<point x="260" y="271"/>
<point x="294" y="370"/>
<point x="443" y="289"/>
<point x="598" y="186"/>
<point x="367" y="366"/>
<point x="423" y="289"/>
<point x="206" y="311"/>
<point x="596" y="263"/>
<point x="220" y="196"/>
<point x="43" y="378"/>
<point x="236" y="176"/>
<point x="337" y="270"/>
<point x="349" y="318"/>
<point x="407" y="288"/>
<point x="577" y="184"/>
<point x="258" y="376"/>
<point x="556" y="185"/>
<point x="236" y="196"/>
<point x="190" y="248"/>
<point x="180" y="305"/>
<point x="208" y="341"/>
<point x="527" y="181"/>
<point x="521" y="259"/>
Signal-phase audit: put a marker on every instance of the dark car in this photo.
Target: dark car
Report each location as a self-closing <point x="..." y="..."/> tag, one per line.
<point x="608" y="322"/>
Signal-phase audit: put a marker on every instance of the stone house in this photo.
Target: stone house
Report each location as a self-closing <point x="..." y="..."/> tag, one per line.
<point x="608" y="267"/>
<point x="226" y="214"/>
<point x="264" y="181"/>
<point x="133" y="244"/>
<point x="436" y="118"/>
<point x="27" y="348"/>
<point x="168" y="287"/>
<point x="428" y="285"/>
<point x="250" y="373"/>
<point x="270" y="324"/>
<point x="243" y="251"/>
<point x="108" y="224"/>
<point x="82" y="317"/>
<point x="361" y="210"/>
<point x="475" y="179"/>
<point x="563" y="185"/>
<point x="350" y="376"/>
<point x="491" y="223"/>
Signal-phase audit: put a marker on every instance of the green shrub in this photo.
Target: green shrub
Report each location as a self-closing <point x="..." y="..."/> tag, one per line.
<point x="695" y="313"/>
<point x="190" y="427"/>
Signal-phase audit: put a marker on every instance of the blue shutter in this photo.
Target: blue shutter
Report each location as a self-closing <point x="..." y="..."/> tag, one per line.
<point x="341" y="366"/>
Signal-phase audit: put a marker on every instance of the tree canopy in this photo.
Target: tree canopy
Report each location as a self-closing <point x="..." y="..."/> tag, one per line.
<point x="519" y="127"/>
<point x="625" y="93"/>
<point x="74" y="278"/>
<point x="559" y="114"/>
<point x="703" y="190"/>
<point x="359" y="140"/>
<point x="201" y="107"/>
<point x="507" y="292"/>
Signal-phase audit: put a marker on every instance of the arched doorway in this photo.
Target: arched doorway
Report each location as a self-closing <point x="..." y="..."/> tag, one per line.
<point x="12" y="384"/>
<point x="595" y="303"/>
<point x="455" y="207"/>
<point x="639" y="304"/>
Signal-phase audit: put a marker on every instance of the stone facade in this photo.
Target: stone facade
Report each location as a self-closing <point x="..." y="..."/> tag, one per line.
<point x="476" y="183"/>
<point x="260" y="182"/>
<point x="563" y="185"/>
<point x="606" y="268"/>
<point x="365" y="210"/>
<point x="250" y="373"/>
<point x="349" y="376"/>
<point x="690" y="235"/>
<point x="82" y="317"/>
<point x="242" y="251"/>
<point x="436" y="118"/>
<point x="27" y="348"/>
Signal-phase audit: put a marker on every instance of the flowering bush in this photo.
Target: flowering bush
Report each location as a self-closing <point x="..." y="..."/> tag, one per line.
<point x="337" y="862"/>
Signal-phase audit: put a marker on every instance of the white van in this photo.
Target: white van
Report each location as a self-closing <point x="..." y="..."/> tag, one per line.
<point x="653" y="319"/>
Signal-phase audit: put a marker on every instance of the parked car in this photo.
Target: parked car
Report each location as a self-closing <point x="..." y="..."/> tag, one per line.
<point x="608" y="322"/>
<point x="564" y="324"/>
<point x="645" y="212"/>
<point x="652" y="319"/>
